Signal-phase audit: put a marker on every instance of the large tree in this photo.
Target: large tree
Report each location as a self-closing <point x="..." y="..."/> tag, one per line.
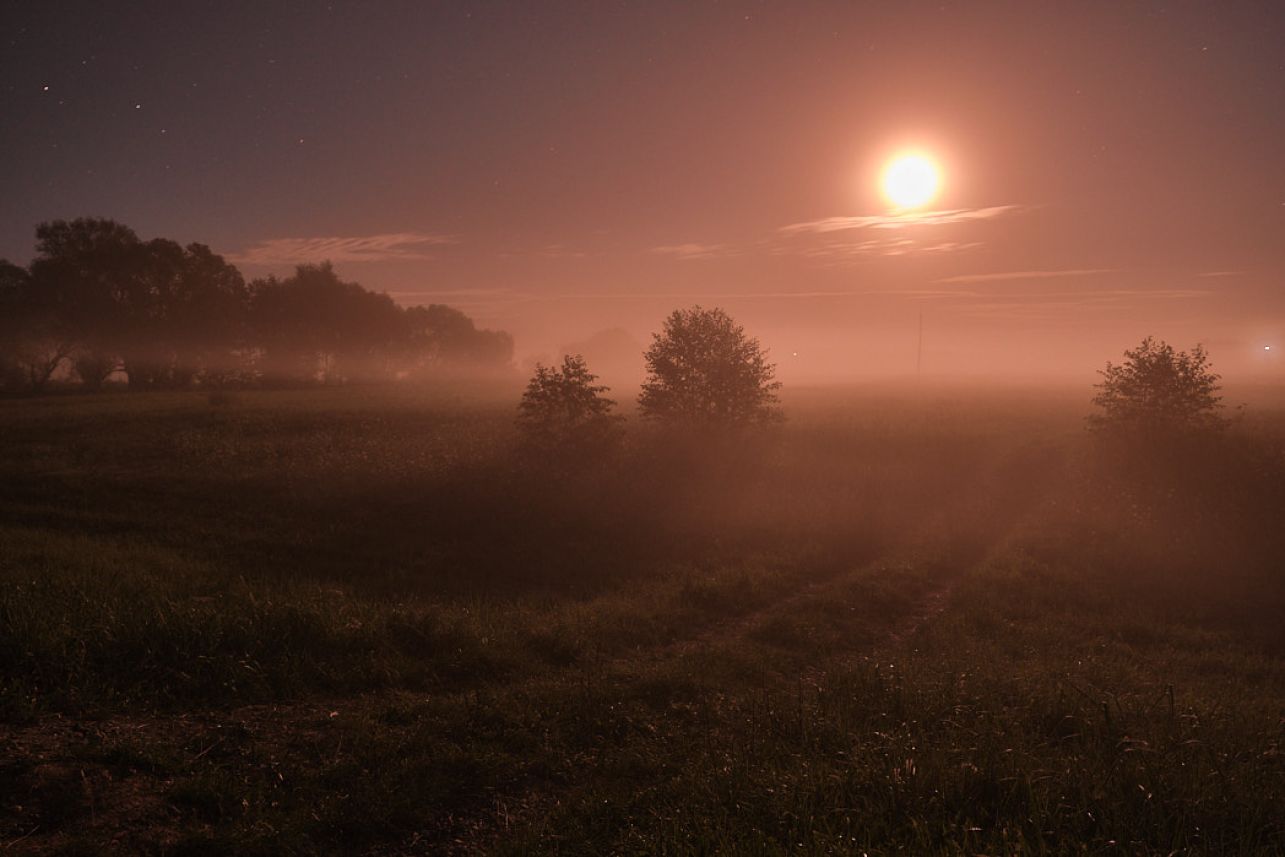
<point x="86" y="275"/>
<point x="1158" y="391"/>
<point x="157" y="310"/>
<point x="34" y="342"/>
<point x="315" y="326"/>
<point x="703" y="369"/>
<point x="185" y="313"/>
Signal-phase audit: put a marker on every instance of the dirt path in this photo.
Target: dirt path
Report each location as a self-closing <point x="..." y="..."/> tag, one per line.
<point x="929" y="608"/>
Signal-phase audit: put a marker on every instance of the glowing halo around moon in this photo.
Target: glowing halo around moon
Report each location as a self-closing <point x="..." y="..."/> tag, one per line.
<point x="910" y="181"/>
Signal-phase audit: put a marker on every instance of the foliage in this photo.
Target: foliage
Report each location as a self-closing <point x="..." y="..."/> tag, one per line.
<point x="99" y="299"/>
<point x="443" y="337"/>
<point x="160" y="312"/>
<point x="315" y="326"/>
<point x="563" y="411"/>
<point x="1158" y="391"/>
<point x="85" y="275"/>
<point x="703" y="369"/>
<point x="34" y="342"/>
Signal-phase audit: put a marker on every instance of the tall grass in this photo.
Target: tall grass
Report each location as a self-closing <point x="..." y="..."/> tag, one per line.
<point x="330" y="622"/>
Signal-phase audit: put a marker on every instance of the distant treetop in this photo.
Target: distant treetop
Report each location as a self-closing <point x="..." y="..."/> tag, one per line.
<point x="703" y="369"/>
<point x="1158" y="390"/>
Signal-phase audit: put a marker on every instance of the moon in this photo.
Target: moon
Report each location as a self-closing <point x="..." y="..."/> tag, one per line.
<point x="911" y="181"/>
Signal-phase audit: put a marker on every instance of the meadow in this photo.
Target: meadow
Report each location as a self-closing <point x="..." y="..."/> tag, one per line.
<point x="938" y="620"/>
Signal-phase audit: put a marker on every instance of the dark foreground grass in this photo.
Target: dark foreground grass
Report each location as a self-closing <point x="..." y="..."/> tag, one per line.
<point x="307" y="623"/>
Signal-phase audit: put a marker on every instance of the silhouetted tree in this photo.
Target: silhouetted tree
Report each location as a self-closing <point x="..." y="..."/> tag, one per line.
<point x="34" y="342"/>
<point x="564" y="412"/>
<point x="85" y="276"/>
<point x="185" y="312"/>
<point x="12" y="282"/>
<point x="315" y="326"/>
<point x="1158" y="391"/>
<point x="170" y="316"/>
<point x="443" y="337"/>
<point x="703" y="369"/>
<point x="161" y="312"/>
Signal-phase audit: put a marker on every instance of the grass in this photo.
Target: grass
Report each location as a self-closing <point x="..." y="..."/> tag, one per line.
<point x="353" y="622"/>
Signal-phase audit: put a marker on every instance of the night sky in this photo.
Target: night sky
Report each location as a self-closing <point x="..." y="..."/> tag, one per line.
<point x="1111" y="170"/>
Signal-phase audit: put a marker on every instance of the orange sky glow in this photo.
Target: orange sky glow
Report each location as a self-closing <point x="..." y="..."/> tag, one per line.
<point x="1106" y="171"/>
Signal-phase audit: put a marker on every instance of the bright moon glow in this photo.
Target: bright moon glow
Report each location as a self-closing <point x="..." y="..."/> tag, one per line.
<point x="910" y="181"/>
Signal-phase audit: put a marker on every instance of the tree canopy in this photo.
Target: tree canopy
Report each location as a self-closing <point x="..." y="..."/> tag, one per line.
<point x="703" y="369"/>
<point x="564" y="411"/>
<point x="98" y="300"/>
<point x="1158" y="390"/>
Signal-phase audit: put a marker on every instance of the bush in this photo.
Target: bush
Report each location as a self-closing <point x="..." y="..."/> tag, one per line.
<point x="563" y="413"/>
<point x="1158" y="392"/>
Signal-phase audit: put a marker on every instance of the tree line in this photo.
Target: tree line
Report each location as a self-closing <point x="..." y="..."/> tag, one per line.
<point x="97" y="300"/>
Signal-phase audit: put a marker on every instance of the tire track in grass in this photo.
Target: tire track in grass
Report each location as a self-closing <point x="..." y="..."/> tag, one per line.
<point x="247" y="738"/>
<point x="526" y="808"/>
<point x="930" y="606"/>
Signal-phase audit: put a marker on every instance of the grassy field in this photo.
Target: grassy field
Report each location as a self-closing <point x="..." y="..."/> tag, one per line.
<point x="357" y="621"/>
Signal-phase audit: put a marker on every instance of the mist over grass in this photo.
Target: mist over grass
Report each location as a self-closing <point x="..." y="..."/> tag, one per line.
<point x="941" y="619"/>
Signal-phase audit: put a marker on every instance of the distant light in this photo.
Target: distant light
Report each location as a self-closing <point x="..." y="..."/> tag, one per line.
<point x="1267" y="348"/>
<point x="796" y="354"/>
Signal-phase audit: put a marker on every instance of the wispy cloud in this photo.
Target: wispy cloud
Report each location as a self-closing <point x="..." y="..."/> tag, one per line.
<point x="693" y="250"/>
<point x="560" y="251"/>
<point x="899" y="221"/>
<point x="1024" y="275"/>
<point x="846" y="240"/>
<point x="1222" y="273"/>
<point x="839" y="252"/>
<point x="392" y="246"/>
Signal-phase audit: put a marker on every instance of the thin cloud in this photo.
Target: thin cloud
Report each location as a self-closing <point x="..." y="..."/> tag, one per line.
<point x="693" y="250"/>
<point x="827" y="242"/>
<point x="829" y="251"/>
<point x="1023" y="275"/>
<point x="1222" y="273"/>
<point x="392" y="246"/>
<point x="899" y="221"/>
<point x="560" y="251"/>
